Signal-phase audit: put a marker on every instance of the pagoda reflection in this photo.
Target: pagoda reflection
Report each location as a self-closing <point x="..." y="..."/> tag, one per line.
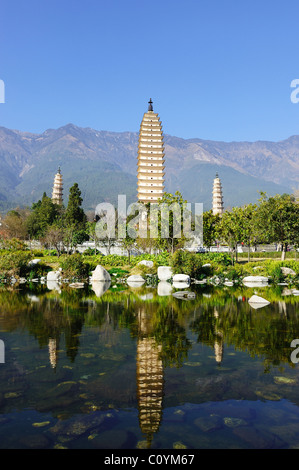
<point x="150" y="381"/>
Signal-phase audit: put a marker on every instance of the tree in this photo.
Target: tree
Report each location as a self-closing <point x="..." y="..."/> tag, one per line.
<point x="75" y="219"/>
<point x="231" y="229"/>
<point x="279" y="220"/>
<point x="170" y="211"/>
<point x="14" y="224"/>
<point x="211" y="224"/>
<point x="54" y="236"/>
<point x="248" y="223"/>
<point x="44" y="214"/>
<point x="74" y="213"/>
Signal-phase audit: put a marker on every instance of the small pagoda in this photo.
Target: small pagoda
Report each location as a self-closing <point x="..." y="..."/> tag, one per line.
<point x="57" y="194"/>
<point x="218" y="207"/>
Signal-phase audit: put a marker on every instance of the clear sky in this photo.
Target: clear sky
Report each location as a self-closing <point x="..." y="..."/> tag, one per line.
<point x="215" y="69"/>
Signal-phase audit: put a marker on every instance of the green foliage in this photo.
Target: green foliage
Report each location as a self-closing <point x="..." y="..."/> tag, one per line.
<point x="44" y="213"/>
<point x="14" y="263"/>
<point x="74" y="267"/>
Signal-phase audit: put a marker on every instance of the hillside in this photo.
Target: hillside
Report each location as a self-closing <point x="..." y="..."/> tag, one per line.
<point x="104" y="165"/>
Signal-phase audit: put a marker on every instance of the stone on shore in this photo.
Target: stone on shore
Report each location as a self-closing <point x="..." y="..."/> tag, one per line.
<point x="181" y="278"/>
<point x="100" y="274"/>
<point x="164" y="273"/>
<point x="54" y="276"/>
<point x="147" y="263"/>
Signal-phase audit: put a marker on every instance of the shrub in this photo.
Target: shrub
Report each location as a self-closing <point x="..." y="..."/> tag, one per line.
<point x="74" y="267"/>
<point x="14" y="263"/>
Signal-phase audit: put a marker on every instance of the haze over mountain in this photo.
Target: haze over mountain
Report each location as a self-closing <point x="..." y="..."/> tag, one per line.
<point x="104" y="164"/>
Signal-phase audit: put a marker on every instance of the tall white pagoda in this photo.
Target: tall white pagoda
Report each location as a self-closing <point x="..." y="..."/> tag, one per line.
<point x="218" y="207"/>
<point x="150" y="173"/>
<point x="57" y="194"/>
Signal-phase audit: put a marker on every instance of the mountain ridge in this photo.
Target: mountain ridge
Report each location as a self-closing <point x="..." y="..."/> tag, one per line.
<point x="104" y="164"/>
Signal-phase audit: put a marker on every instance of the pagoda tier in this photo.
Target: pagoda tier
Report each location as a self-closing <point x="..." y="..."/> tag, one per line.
<point x="150" y="172"/>
<point x="218" y="207"/>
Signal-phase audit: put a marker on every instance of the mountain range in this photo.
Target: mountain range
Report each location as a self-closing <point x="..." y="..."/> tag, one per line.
<point x="104" y="164"/>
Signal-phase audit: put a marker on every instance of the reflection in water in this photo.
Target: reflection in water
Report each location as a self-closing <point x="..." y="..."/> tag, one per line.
<point x="149" y="378"/>
<point x="102" y="348"/>
<point x="218" y="345"/>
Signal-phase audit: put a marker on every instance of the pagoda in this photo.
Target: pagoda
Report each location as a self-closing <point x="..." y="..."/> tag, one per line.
<point x="57" y="194"/>
<point x="218" y="207"/>
<point x="150" y="173"/>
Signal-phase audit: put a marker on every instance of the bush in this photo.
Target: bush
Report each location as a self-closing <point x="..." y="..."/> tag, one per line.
<point x="14" y="263"/>
<point x="187" y="263"/>
<point x="74" y="267"/>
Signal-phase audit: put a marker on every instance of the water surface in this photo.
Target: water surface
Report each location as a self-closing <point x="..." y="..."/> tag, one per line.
<point x="133" y="369"/>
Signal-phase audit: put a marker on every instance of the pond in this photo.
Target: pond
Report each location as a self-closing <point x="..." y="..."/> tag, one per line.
<point x="131" y="369"/>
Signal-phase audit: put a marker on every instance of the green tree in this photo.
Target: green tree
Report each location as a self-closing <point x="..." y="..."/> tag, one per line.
<point x="44" y="214"/>
<point x="278" y="220"/>
<point x="75" y="219"/>
<point x="211" y="224"/>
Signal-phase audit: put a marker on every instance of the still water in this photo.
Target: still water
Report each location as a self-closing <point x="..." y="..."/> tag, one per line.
<point x="133" y="369"/>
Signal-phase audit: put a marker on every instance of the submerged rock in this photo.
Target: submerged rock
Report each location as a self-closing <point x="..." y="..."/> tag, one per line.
<point x="78" y="426"/>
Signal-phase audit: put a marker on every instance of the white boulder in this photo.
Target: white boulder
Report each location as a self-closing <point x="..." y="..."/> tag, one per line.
<point x="54" y="276"/>
<point x="181" y="278"/>
<point x="100" y="274"/>
<point x="135" y="280"/>
<point x="258" y="302"/>
<point x="147" y="263"/>
<point x="34" y="262"/>
<point x="255" y="281"/>
<point x="164" y="273"/>
<point x="287" y="271"/>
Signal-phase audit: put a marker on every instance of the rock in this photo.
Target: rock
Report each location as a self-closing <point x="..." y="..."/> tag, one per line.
<point x="181" y="278"/>
<point x="234" y="422"/>
<point x="209" y="423"/>
<point x="147" y="263"/>
<point x="257" y="302"/>
<point x="54" y="276"/>
<point x="179" y="445"/>
<point x="111" y="439"/>
<point x="287" y="271"/>
<point x="100" y="274"/>
<point x="184" y="295"/>
<point x="196" y="281"/>
<point x="284" y="380"/>
<point x="135" y="280"/>
<point x="77" y="285"/>
<point x="34" y="262"/>
<point x="228" y="283"/>
<point x="100" y="288"/>
<point x="207" y="265"/>
<point x="164" y="288"/>
<point x="77" y="426"/>
<point x="180" y="285"/>
<point x="164" y="273"/>
<point x="256" y="280"/>
<point x="295" y="292"/>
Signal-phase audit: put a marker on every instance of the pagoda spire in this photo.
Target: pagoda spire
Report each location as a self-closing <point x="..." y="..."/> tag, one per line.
<point x="150" y="105"/>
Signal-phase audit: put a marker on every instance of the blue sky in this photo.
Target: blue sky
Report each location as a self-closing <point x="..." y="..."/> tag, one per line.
<point x="218" y="70"/>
